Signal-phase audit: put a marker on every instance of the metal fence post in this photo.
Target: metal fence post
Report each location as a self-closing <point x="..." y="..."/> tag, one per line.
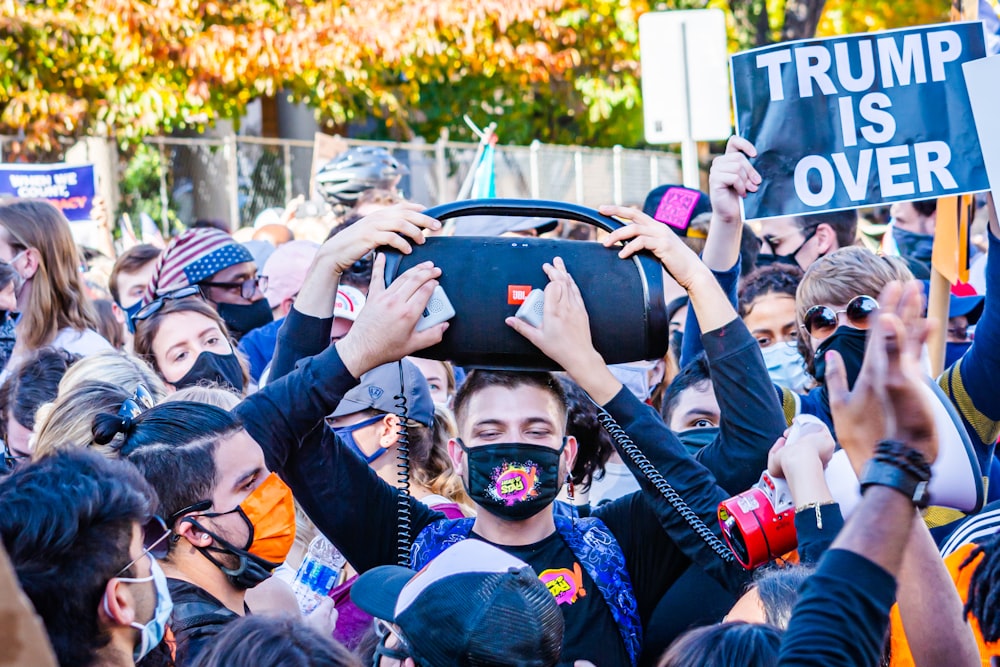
<point x="616" y="169"/>
<point x="286" y="151"/>
<point x="233" y="177"/>
<point x="164" y="194"/>
<point x="654" y="171"/>
<point x="533" y="175"/>
<point x="578" y="175"/>
<point x="441" y="166"/>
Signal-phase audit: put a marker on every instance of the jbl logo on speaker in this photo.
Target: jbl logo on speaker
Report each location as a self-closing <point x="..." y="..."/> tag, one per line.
<point x="516" y="294"/>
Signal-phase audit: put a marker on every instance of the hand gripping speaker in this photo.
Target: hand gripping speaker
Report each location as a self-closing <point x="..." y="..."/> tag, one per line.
<point x="488" y="278"/>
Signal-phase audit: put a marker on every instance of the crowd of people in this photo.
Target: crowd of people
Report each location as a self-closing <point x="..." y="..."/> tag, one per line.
<point x="242" y="458"/>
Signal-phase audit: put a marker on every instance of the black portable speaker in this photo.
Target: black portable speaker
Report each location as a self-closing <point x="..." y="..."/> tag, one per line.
<point x="486" y="279"/>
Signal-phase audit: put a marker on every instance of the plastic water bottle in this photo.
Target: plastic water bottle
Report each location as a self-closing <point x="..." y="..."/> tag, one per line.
<point x="318" y="573"/>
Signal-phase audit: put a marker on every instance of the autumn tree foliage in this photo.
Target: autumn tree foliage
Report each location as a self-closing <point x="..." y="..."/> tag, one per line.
<point x="563" y="71"/>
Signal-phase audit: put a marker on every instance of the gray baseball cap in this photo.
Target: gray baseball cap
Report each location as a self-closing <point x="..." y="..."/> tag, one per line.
<point x="379" y="388"/>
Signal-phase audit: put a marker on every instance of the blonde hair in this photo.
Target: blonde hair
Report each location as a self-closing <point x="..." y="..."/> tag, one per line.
<point x="58" y="297"/>
<point x="842" y="275"/>
<point x="118" y="368"/>
<point x="210" y="394"/>
<point x="68" y="422"/>
<point x="437" y="473"/>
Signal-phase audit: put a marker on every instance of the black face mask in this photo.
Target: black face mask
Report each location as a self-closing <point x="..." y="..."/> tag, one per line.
<point x="223" y="369"/>
<point x="695" y="439"/>
<point x="850" y="343"/>
<point x="676" y="343"/>
<point x="913" y="245"/>
<point x="512" y="480"/>
<point x="244" y="318"/>
<point x="790" y="258"/>
<point x="250" y="569"/>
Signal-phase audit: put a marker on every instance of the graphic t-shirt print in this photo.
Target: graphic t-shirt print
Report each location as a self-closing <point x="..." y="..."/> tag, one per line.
<point x="565" y="585"/>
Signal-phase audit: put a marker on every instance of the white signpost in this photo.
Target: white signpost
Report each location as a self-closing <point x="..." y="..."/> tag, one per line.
<point x="685" y="81"/>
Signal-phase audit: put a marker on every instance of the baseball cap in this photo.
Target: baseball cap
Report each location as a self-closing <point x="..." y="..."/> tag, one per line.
<point x="350" y="301"/>
<point x="966" y="303"/>
<point x="194" y="256"/>
<point x="379" y="388"/>
<point x="286" y="270"/>
<point x="676" y="206"/>
<point x="472" y="605"/>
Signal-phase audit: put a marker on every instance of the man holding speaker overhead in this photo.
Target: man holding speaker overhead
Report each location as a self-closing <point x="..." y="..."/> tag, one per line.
<point x="608" y="571"/>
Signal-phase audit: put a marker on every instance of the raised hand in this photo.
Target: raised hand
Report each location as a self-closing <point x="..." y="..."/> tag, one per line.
<point x="396" y="226"/>
<point x="731" y="178"/>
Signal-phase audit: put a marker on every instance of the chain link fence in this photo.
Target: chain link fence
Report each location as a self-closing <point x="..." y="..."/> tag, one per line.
<point x="236" y="178"/>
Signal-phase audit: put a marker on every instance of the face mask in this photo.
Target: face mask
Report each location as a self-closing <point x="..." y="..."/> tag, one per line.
<point x="129" y="312"/>
<point x="244" y="318"/>
<point x="346" y="433"/>
<point x="955" y="351"/>
<point x="635" y="377"/>
<point x="913" y="245"/>
<point x="223" y="369"/>
<point x="790" y="258"/>
<point x="676" y="341"/>
<point x="786" y="367"/>
<point x="695" y="439"/>
<point x="151" y="633"/>
<point x="850" y="343"/>
<point x="513" y="481"/>
<point x="269" y="513"/>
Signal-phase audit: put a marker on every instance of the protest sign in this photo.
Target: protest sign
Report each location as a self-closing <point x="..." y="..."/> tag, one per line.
<point x="860" y="120"/>
<point x="70" y="189"/>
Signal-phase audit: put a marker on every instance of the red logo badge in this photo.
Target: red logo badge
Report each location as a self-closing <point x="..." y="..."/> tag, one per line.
<point x="516" y="294"/>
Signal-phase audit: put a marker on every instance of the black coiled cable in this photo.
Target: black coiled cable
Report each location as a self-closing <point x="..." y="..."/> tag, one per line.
<point x="403" y="516"/>
<point x="663" y="486"/>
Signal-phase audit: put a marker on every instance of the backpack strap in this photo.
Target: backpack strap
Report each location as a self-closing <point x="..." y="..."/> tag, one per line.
<point x="436" y="537"/>
<point x="601" y="556"/>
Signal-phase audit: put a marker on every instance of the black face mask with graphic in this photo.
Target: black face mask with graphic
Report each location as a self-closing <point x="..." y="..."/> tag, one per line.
<point x="241" y="319"/>
<point x="209" y="367"/>
<point x="513" y="481"/>
<point x="850" y="343"/>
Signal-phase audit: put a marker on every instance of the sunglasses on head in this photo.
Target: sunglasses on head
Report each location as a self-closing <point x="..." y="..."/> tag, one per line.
<point x="154" y="542"/>
<point x="246" y="287"/>
<point x="154" y="306"/>
<point x="821" y="321"/>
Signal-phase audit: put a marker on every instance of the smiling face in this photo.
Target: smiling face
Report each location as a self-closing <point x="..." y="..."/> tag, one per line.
<point x="181" y="337"/>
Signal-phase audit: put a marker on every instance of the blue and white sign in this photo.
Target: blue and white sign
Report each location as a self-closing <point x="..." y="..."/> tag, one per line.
<point x="860" y="120"/>
<point x="71" y="189"/>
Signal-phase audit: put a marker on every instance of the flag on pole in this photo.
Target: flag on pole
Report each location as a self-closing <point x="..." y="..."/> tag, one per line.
<point x="484" y="184"/>
<point x="128" y="239"/>
<point x="150" y="232"/>
<point x="950" y="257"/>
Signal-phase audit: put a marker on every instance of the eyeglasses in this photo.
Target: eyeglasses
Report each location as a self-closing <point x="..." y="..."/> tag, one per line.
<point x="400" y="652"/>
<point x="10" y="459"/>
<point x="822" y="321"/>
<point x="153" y="307"/>
<point x="247" y="287"/>
<point x="141" y="401"/>
<point x="154" y="542"/>
<point x="200" y="506"/>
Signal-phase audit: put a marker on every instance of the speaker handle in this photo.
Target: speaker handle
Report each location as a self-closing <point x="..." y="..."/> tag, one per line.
<point x="528" y="208"/>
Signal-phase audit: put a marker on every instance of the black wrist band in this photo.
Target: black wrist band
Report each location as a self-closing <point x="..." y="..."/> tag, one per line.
<point x="898" y="467"/>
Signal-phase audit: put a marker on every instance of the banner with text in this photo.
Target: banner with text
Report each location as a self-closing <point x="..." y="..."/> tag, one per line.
<point x="860" y="120"/>
<point x="71" y="189"/>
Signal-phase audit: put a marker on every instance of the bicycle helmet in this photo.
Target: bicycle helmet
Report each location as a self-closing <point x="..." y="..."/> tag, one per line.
<point x="344" y="178"/>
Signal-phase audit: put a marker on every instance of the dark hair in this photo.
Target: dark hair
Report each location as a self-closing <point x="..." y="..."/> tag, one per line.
<point x="131" y="261"/>
<point x="779" y="589"/>
<point x="695" y="374"/>
<point x="925" y="207"/>
<point x="843" y="223"/>
<point x="173" y="445"/>
<point x="107" y="324"/>
<point x="984" y="588"/>
<point x="724" y="645"/>
<point x="776" y="279"/>
<point x="33" y="383"/>
<point x="273" y="640"/>
<point x="67" y="524"/>
<point x="478" y="380"/>
<point x="595" y="446"/>
<point x="749" y="250"/>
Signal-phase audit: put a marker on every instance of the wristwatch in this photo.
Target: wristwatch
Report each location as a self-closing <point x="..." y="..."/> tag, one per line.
<point x="883" y="473"/>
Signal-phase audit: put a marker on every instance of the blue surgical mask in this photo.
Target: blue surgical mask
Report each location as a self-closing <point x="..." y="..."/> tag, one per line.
<point x="346" y="433"/>
<point x="130" y="312"/>
<point x="786" y="367"/>
<point x="151" y="633"/>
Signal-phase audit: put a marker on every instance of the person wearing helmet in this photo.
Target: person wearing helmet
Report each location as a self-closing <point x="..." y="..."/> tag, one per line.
<point x="358" y="169"/>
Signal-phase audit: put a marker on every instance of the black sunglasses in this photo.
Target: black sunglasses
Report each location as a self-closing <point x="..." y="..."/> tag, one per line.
<point x="821" y="321"/>
<point x="154" y="542"/>
<point x="141" y="401"/>
<point x="154" y="306"/>
<point x="247" y="287"/>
